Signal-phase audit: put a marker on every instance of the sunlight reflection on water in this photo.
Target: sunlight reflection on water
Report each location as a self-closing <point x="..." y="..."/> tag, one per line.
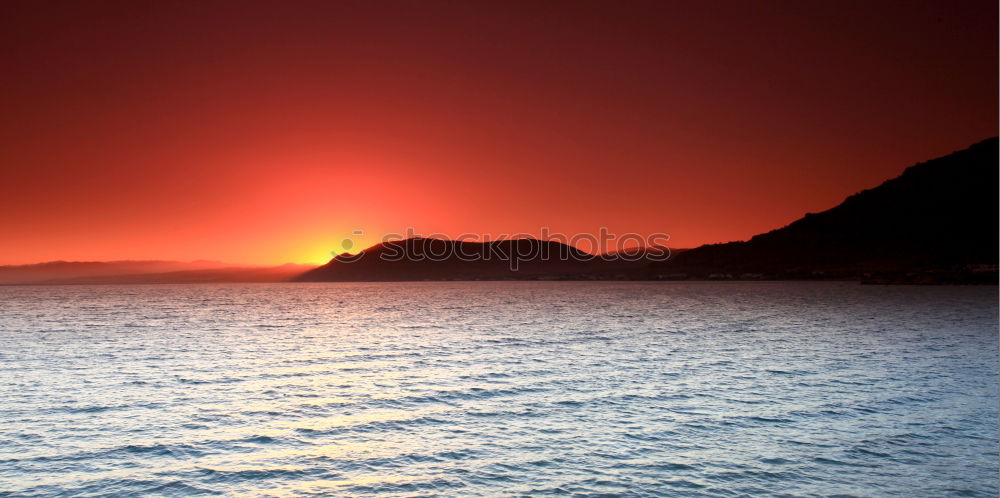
<point x="701" y="389"/>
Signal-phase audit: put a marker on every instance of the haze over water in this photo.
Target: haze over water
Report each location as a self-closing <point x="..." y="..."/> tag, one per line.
<point x="485" y="388"/>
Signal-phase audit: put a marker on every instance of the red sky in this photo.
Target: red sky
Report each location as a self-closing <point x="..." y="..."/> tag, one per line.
<point x="266" y="132"/>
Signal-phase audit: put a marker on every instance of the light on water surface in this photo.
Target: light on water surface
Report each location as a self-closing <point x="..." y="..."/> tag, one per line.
<point x="486" y="388"/>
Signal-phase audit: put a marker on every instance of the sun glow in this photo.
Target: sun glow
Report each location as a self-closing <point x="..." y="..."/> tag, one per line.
<point x="320" y="252"/>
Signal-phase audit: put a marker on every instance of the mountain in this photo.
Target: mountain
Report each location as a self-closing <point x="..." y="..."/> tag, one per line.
<point x="121" y="272"/>
<point x="247" y="274"/>
<point x="439" y="259"/>
<point x="61" y="270"/>
<point x="937" y="221"/>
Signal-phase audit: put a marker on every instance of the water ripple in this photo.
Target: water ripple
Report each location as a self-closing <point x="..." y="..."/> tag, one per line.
<point x="499" y="388"/>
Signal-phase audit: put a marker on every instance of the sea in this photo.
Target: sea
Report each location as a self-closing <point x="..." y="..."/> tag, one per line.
<point x="499" y="389"/>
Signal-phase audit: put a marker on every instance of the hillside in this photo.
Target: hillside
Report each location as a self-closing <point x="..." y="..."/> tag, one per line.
<point x="935" y="223"/>
<point x="939" y="216"/>
<point x="143" y="272"/>
<point x="439" y="259"/>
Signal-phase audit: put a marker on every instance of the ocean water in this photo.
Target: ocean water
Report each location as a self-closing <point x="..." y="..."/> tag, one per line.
<point x="499" y="388"/>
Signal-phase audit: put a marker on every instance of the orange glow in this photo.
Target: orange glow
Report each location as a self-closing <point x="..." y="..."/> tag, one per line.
<point x="265" y="133"/>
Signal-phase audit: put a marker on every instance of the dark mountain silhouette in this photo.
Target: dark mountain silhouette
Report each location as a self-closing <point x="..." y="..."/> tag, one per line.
<point x="113" y="272"/>
<point x="249" y="274"/>
<point x="59" y="270"/>
<point x="936" y="221"/>
<point x="439" y="259"/>
<point x="657" y="251"/>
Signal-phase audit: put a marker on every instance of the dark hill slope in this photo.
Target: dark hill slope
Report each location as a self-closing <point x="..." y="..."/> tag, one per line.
<point x="940" y="215"/>
<point x="438" y="259"/>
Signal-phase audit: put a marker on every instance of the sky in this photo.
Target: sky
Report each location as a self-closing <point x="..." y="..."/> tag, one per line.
<point x="268" y="132"/>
